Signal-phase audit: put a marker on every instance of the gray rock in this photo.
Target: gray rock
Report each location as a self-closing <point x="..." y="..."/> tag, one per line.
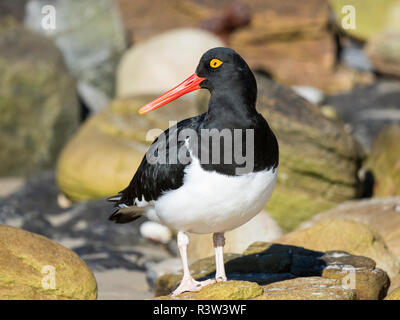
<point x="367" y="110"/>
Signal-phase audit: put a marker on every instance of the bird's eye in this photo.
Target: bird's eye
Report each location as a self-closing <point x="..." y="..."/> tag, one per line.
<point x="215" y="63"/>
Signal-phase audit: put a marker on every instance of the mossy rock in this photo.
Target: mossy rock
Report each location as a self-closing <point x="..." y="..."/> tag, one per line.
<point x="394" y="295"/>
<point x="27" y="258"/>
<point x="346" y="235"/>
<point x="38" y="106"/>
<point x="384" y="162"/>
<point x="370" y="19"/>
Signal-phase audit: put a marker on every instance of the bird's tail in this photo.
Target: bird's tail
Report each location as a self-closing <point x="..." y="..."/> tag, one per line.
<point x="124" y="213"/>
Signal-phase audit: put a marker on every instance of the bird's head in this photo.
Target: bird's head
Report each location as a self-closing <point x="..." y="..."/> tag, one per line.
<point x="219" y="70"/>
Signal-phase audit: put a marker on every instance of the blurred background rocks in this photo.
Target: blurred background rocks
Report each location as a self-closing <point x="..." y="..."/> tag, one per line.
<point x="70" y="136"/>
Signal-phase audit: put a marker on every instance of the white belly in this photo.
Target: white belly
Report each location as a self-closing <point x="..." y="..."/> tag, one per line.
<point x="210" y="202"/>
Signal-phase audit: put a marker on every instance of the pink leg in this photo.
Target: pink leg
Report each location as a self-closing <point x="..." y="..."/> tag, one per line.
<point x="187" y="283"/>
<point x="219" y="242"/>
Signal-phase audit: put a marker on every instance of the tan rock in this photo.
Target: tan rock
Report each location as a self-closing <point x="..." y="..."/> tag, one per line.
<point x="310" y="288"/>
<point x="27" y="258"/>
<point x="346" y="235"/>
<point x="384" y="162"/>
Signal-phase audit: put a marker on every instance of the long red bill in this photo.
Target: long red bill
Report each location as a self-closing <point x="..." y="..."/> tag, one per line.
<point x="190" y="84"/>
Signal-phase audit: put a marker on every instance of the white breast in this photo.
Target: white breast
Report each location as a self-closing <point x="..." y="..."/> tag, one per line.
<point x="211" y="202"/>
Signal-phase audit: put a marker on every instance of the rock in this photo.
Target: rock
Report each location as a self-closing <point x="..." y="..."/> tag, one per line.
<point x="350" y="236"/>
<point x="283" y="269"/>
<point x="383" y="51"/>
<point x="39" y="105"/>
<point x="395" y="295"/>
<point x="311" y="94"/>
<point x="384" y="162"/>
<point x="24" y="257"/>
<point x="10" y="185"/>
<point x="369" y="109"/>
<point x="154" y="270"/>
<point x="90" y="35"/>
<point x="261" y="228"/>
<point x="168" y="14"/>
<point x="83" y="227"/>
<point x="368" y="20"/>
<point x="318" y="158"/>
<point x="155" y="66"/>
<point x="113" y="142"/>
<point x="311" y="288"/>
<point x="381" y="215"/>
<point x="15" y="9"/>
<point x="292" y="42"/>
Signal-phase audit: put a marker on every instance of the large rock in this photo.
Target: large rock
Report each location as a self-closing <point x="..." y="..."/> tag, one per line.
<point x="381" y="215"/>
<point x="350" y="236"/>
<point x="318" y="158"/>
<point x="261" y="228"/>
<point x="90" y="35"/>
<point x="27" y="258"/>
<point x="287" y="272"/>
<point x="395" y="295"/>
<point x="384" y="52"/>
<point x="38" y="105"/>
<point x="368" y="20"/>
<point x="293" y="42"/>
<point x="384" y="162"/>
<point x="367" y="110"/>
<point x="156" y="66"/>
<point x="102" y="157"/>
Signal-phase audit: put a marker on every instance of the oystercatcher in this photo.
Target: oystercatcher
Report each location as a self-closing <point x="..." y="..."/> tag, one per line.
<point x="200" y="187"/>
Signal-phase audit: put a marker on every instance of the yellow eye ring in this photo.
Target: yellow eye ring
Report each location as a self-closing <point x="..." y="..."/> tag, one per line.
<point x="215" y="63"/>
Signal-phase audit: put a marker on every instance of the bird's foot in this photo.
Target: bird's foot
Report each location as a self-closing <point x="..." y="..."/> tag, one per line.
<point x="191" y="285"/>
<point x="220" y="278"/>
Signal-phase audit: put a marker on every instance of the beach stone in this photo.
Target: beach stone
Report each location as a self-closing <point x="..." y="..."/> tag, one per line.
<point x="39" y="107"/>
<point x="154" y="66"/>
<point x="24" y="257"/>
<point x="260" y="228"/>
<point x="384" y="162"/>
<point x="318" y="157"/>
<point x="383" y="51"/>
<point x="380" y="214"/>
<point x="272" y="265"/>
<point x="369" y="21"/>
<point x="345" y="235"/>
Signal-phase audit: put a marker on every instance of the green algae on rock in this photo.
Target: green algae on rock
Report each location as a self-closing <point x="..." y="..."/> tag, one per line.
<point x="25" y="260"/>
<point x="38" y="106"/>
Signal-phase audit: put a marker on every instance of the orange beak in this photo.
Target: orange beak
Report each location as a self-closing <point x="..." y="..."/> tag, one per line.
<point x="190" y="84"/>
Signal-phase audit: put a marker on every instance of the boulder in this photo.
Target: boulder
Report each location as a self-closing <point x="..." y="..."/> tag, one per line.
<point x="155" y="66"/>
<point x="261" y="228"/>
<point x="350" y="236"/>
<point x="384" y="162"/>
<point x="293" y="42"/>
<point x="368" y="20"/>
<point x="27" y="259"/>
<point x="381" y="215"/>
<point x="90" y="35"/>
<point x="384" y="52"/>
<point x="286" y="272"/>
<point x="102" y="157"/>
<point x="318" y="157"/>
<point x="39" y="107"/>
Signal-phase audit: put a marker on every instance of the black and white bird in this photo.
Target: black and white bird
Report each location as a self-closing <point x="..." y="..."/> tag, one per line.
<point x="213" y="190"/>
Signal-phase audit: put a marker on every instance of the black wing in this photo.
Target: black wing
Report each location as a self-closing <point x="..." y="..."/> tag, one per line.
<point x="152" y="179"/>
